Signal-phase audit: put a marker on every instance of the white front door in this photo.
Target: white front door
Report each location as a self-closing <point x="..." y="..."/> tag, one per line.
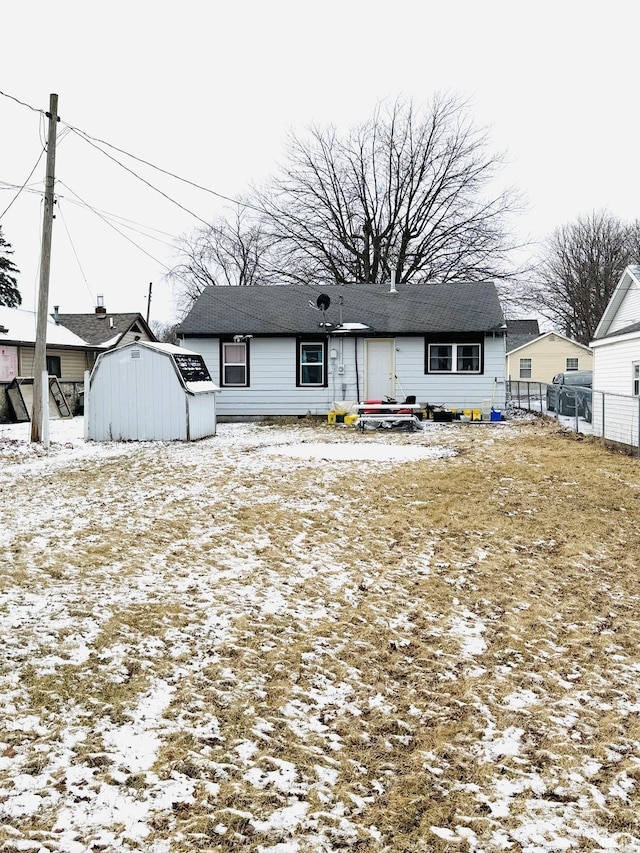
<point x="379" y="368"/>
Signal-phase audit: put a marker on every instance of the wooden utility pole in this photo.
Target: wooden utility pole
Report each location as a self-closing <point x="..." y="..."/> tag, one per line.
<point x="40" y="355"/>
<point x="149" y="303"/>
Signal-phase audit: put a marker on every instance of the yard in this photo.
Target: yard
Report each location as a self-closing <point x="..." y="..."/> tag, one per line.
<point x="296" y="638"/>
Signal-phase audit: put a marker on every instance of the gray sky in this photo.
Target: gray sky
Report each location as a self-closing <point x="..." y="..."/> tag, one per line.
<point x="209" y="91"/>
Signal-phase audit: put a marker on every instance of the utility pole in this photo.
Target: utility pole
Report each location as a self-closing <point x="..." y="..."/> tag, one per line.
<point x="149" y="303"/>
<point x="40" y="355"/>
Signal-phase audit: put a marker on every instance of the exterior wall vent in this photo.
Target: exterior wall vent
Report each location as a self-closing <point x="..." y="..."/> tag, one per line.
<point x="135" y="353"/>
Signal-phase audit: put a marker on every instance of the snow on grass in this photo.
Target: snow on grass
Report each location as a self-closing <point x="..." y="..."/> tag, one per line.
<point x="292" y="638"/>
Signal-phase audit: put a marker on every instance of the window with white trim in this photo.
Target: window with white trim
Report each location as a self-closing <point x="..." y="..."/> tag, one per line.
<point x="525" y="368"/>
<point x="454" y="358"/>
<point x="311" y="364"/>
<point x="572" y="364"/>
<point x="635" y="372"/>
<point x="234" y="367"/>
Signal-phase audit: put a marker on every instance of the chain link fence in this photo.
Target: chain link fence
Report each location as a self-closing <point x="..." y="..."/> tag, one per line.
<point x="615" y="418"/>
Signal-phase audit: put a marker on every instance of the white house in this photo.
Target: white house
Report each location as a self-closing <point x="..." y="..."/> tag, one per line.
<point x="147" y="391"/>
<point x="298" y="349"/>
<point x="616" y="363"/>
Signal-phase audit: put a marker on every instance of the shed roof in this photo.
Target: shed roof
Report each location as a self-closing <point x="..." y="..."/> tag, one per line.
<point x="292" y="309"/>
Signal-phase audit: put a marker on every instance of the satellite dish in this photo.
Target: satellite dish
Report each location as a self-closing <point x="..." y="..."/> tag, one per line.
<point x="323" y="302"/>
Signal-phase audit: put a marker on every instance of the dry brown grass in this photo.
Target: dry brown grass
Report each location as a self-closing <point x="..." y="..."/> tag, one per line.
<point x="370" y="634"/>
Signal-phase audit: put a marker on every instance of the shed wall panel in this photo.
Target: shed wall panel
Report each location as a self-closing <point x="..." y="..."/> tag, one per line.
<point x="136" y="399"/>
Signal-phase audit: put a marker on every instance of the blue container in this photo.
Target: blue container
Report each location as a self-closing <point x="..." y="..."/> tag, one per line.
<point x="496" y="415"/>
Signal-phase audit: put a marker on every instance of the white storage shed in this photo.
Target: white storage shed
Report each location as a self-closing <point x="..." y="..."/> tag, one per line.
<point x="147" y="391"/>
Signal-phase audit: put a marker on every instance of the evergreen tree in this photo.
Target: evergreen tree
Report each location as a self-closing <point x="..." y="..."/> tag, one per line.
<point x="9" y="293"/>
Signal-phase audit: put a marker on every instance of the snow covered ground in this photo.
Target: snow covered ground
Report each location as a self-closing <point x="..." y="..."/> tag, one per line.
<point x="293" y="638"/>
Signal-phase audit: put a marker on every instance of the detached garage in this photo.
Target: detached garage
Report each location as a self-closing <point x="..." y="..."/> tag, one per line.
<point x="147" y="391"/>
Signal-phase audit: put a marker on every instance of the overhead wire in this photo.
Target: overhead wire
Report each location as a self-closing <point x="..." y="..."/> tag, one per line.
<point x="73" y="248"/>
<point x="117" y="230"/>
<point x="96" y="142"/>
<point x="14" y="199"/>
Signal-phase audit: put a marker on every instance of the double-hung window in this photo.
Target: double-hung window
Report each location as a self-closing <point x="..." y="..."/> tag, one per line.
<point x="635" y="374"/>
<point x="572" y="364"/>
<point x="235" y="364"/>
<point x="525" y="368"/>
<point x="312" y="357"/>
<point x="456" y="356"/>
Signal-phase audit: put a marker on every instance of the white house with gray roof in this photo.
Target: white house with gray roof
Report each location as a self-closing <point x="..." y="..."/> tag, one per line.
<point x="616" y="362"/>
<point x="300" y="349"/>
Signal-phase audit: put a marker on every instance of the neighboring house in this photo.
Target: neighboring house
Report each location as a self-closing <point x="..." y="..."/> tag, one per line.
<point x="616" y="363"/>
<point x="298" y="349"/>
<point x="68" y="356"/>
<point x="539" y="360"/>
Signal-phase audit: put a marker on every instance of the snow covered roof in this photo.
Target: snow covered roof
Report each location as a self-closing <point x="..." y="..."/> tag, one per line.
<point x="20" y="328"/>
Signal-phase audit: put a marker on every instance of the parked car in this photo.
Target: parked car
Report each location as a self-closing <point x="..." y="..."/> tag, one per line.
<point x="566" y="390"/>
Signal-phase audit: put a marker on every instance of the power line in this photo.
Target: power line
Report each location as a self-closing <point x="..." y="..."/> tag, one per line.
<point x="117" y="230"/>
<point x="91" y="139"/>
<point x="64" y="222"/>
<point x="24" y="184"/>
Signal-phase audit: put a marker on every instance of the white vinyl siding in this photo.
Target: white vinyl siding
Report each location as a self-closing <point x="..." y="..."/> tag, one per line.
<point x="273" y="371"/>
<point x="629" y="311"/>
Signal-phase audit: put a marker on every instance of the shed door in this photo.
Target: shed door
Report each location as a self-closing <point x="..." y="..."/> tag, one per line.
<point x="380" y="368"/>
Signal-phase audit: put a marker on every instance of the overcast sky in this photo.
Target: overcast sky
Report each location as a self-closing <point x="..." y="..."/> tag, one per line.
<point x="209" y="91"/>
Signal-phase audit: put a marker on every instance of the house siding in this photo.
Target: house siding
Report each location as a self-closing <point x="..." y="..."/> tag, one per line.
<point x="73" y="363"/>
<point x="273" y="390"/>
<point x="548" y="356"/>
<point x="612" y="364"/>
<point x="629" y="311"/>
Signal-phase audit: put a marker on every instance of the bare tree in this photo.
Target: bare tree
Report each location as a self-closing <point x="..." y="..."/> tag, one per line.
<point x="408" y="189"/>
<point x="166" y="333"/>
<point x="231" y="252"/>
<point x="581" y="265"/>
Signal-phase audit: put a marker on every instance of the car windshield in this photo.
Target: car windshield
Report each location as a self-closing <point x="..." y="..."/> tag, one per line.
<point x="577" y="379"/>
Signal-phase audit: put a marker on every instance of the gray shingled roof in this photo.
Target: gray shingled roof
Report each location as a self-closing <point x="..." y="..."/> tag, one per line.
<point x="285" y="309"/>
<point x="98" y="328"/>
<point x="520" y="332"/>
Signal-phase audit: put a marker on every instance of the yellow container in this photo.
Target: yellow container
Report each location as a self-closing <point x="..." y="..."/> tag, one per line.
<point x="468" y="413"/>
<point x="477" y="414"/>
<point x="331" y="417"/>
<point x="351" y="419"/>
